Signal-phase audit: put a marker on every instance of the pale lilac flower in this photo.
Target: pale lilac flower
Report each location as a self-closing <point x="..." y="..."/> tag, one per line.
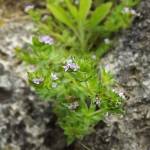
<point x="70" y="65"/>
<point x="54" y="85"/>
<point x="28" y="8"/>
<point x="76" y="2"/>
<point x="69" y="61"/>
<point x="54" y="76"/>
<point x="37" y="80"/>
<point x="97" y="101"/>
<point x="114" y="90"/>
<point x="94" y="57"/>
<point x="45" y="17"/>
<point x="107" y="41"/>
<point x="46" y="39"/>
<point x="126" y="10"/>
<point x="73" y="105"/>
<point x="66" y="68"/>
<point x="133" y="12"/>
<point x="121" y="94"/>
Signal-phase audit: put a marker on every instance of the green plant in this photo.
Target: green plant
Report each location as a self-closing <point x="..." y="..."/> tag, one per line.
<point x="86" y="25"/>
<point x="66" y="71"/>
<point x="81" y="93"/>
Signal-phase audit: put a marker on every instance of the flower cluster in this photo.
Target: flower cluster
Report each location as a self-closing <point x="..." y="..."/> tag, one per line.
<point x="107" y="41"/>
<point x="120" y="93"/>
<point x="70" y="65"/>
<point x="37" y="80"/>
<point x="66" y="67"/>
<point x="54" y="77"/>
<point x="97" y="101"/>
<point x="74" y="105"/>
<point x="46" y="39"/>
<point x="127" y="10"/>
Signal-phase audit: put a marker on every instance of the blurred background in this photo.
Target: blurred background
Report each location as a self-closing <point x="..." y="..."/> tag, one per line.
<point x="26" y="123"/>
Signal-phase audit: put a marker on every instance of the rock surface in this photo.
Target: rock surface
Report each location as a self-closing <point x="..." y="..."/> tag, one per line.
<point x="26" y="123"/>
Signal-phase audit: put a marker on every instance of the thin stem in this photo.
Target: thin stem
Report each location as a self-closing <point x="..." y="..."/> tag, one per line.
<point x="98" y="111"/>
<point x="93" y="39"/>
<point x="82" y="35"/>
<point x="87" y="148"/>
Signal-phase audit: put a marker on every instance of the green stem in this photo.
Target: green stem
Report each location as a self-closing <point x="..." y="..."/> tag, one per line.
<point x="84" y="146"/>
<point x="98" y="111"/>
<point x="82" y="36"/>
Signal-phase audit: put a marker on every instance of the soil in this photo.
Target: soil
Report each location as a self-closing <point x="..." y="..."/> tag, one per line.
<point x="26" y="123"/>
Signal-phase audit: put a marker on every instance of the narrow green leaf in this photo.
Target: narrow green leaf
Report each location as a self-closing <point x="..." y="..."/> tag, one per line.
<point x="71" y="8"/>
<point x="85" y="6"/>
<point x="130" y="3"/>
<point x="99" y="14"/>
<point x="60" y="14"/>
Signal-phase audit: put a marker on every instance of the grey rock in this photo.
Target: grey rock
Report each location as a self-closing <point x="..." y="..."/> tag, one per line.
<point x="1" y="69"/>
<point x="5" y="82"/>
